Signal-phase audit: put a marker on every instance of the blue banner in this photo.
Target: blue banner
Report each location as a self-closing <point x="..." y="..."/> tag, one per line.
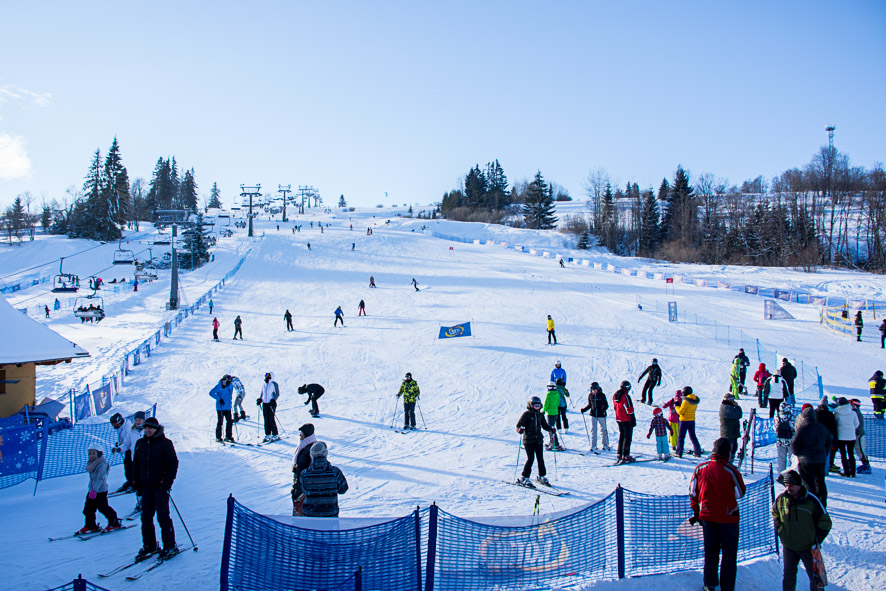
<point x="81" y="406"/>
<point x="459" y="330"/>
<point x="19" y="451"/>
<point x="102" y="399"/>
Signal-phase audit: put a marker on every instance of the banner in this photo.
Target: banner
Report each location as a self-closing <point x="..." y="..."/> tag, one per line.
<point x="18" y="450"/>
<point x="81" y="406"/>
<point x="101" y="397"/>
<point x="459" y="330"/>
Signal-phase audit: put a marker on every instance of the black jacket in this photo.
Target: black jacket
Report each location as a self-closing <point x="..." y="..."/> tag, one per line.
<point x="597" y="404"/>
<point x="302" y="461"/>
<point x="812" y="441"/>
<point x="788" y="372"/>
<point x="533" y="423"/>
<point x="155" y="462"/>
<point x="314" y="391"/>
<point x="730" y="420"/>
<point x="654" y="376"/>
<point x="826" y="418"/>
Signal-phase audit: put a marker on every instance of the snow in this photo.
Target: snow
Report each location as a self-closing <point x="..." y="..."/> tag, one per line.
<point x="33" y="341"/>
<point x="473" y="389"/>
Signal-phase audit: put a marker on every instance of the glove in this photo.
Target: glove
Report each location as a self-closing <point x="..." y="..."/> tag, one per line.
<point x="92" y="494"/>
<point x="520" y="430"/>
<point x="307" y="401"/>
<point x="115" y="450"/>
<point x="693" y="520"/>
<point x="647" y="436"/>
<point x="258" y="401"/>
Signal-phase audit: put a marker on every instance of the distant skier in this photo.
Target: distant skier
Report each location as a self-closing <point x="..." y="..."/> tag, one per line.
<point x="877" y="385"/>
<point x="288" y="318"/>
<point x="789" y="375"/>
<point x="314" y="392"/>
<point x="56" y="305"/>
<point x="46" y="309"/>
<point x="626" y="421"/>
<point x="859" y="325"/>
<point x="223" y="393"/>
<point x="552" y="413"/>
<point x="97" y="498"/>
<point x="215" y="325"/>
<point x="743" y="364"/>
<point x="531" y="424"/>
<point x="270" y="391"/>
<point x="598" y="405"/>
<point x="361" y="308"/>
<point x="662" y="428"/>
<point x="309" y="246"/>
<point x="551" y="333"/>
<point x="736" y="381"/>
<point x="238" y="327"/>
<point x="353" y="245"/>
<point x="653" y="379"/>
<point x="415" y="284"/>
<point x="156" y="466"/>
<point x="371" y="281"/>
<point x="562" y="266"/>
<point x="339" y="317"/>
<point x="410" y="393"/>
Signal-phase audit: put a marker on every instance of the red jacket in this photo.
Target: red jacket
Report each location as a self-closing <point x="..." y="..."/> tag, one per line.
<point x="215" y="323"/>
<point x="762" y="375"/>
<point x="624" y="407"/>
<point x="714" y="490"/>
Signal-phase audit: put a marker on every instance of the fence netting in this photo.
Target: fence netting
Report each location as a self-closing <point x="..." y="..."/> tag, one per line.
<point x="874" y="437"/>
<point x="263" y="553"/>
<point x="66" y="451"/>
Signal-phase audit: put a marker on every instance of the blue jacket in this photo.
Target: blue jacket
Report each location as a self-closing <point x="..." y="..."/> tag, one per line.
<point x="558" y="373"/>
<point x="338" y="311"/>
<point x="223" y="396"/>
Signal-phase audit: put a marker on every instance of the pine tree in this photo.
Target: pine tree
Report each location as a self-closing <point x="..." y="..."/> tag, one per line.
<point x="680" y="221"/>
<point x="188" y="191"/>
<point x="584" y="241"/>
<point x="116" y="185"/>
<point x="342" y="202"/>
<point x="475" y="188"/>
<point x="609" y="220"/>
<point x="215" y="197"/>
<point x="15" y="219"/>
<point x="649" y="228"/>
<point x="538" y="207"/>
<point x="497" y="186"/>
<point x="195" y="244"/>
<point x="174" y="186"/>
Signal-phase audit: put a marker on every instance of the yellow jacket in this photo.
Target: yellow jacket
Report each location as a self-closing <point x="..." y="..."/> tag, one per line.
<point x="686" y="410"/>
<point x="550" y="324"/>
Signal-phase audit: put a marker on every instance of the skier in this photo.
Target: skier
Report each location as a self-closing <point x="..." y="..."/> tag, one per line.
<point x="46" y="308"/>
<point x="56" y="305"/>
<point x="156" y="467"/>
<point x="223" y="392"/>
<point x="288" y="318"/>
<point x="558" y="373"/>
<point x="530" y="425"/>
<point x="371" y="281"/>
<point x="97" y="498"/>
<point x="686" y="410"/>
<point x="415" y="284"/>
<point x="812" y="445"/>
<point x="865" y="467"/>
<point x="626" y="421"/>
<point x="784" y="432"/>
<point x="300" y="461"/>
<point x="353" y="245"/>
<point x="215" y="325"/>
<point x="662" y="428"/>
<point x="736" y="386"/>
<point x="314" y="391"/>
<point x="882" y="329"/>
<point x="847" y="423"/>
<point x="361" y="308"/>
<point x="877" y="385"/>
<point x="127" y="436"/>
<point x="730" y="423"/>
<point x="270" y="391"/>
<point x="562" y="266"/>
<point x="788" y="374"/>
<point x="410" y="393"/>
<point x="552" y="413"/>
<point x="238" y="327"/>
<point x="551" y="334"/>
<point x="743" y="364"/>
<point x="309" y="246"/>
<point x="802" y="523"/>
<point x="674" y="417"/>
<point x="859" y="325"/>
<point x="653" y="379"/>
<point x="320" y="484"/>
<point x="760" y="377"/>
<point x="558" y="376"/>
<point x="339" y="316"/>
<point x="775" y="389"/>
<point x="210" y="305"/>
<point x="237" y="385"/>
<point x="598" y="405"/>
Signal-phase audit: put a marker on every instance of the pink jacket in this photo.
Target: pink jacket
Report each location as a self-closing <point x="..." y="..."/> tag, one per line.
<point x="672" y="405"/>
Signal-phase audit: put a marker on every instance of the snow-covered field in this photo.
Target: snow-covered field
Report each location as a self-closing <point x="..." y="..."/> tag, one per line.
<point x="473" y="389"/>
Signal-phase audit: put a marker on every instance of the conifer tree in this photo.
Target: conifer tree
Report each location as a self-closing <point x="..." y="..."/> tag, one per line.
<point x="649" y="228"/>
<point x="195" y="244"/>
<point x="215" y="197"/>
<point x="342" y="202"/>
<point x="680" y="221"/>
<point x="188" y="191"/>
<point x="538" y="207"/>
<point x="116" y="185"/>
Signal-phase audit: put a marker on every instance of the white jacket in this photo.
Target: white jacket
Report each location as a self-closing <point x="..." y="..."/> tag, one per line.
<point x="847" y="422"/>
<point x="269" y="390"/>
<point x="127" y="436"/>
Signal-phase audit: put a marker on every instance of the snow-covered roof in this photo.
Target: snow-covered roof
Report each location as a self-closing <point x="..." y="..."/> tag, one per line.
<point x="27" y="341"/>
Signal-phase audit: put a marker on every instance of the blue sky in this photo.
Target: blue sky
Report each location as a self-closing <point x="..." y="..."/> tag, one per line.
<point x="364" y="98"/>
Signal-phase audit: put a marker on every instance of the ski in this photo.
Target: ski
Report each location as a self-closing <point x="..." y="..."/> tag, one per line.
<point x="636" y="461"/>
<point x="103" y="532"/>
<point x="548" y="490"/>
<point x="124" y="567"/>
<point x="158" y="562"/>
<point x="74" y="535"/>
<point x="120" y="493"/>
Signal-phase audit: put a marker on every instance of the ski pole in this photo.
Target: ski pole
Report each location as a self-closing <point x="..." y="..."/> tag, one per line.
<point x="517" y="467"/>
<point x="394" y="415"/>
<point x="183" y="522"/>
<point x="556" y="474"/>
<point x="585" y="421"/>
<point x="274" y="411"/>
<point x="423" y="424"/>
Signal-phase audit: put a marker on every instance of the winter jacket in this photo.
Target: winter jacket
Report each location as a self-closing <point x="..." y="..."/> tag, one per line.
<point x="714" y="490"/>
<point x="215" y="323"/>
<point x="409" y="391"/>
<point x="155" y="462"/>
<point x="98" y="474"/>
<point x="788" y="371"/>
<point x="775" y="388"/>
<point x="730" y="420"/>
<point x="859" y="323"/>
<point x="624" y="407"/>
<point x="552" y="402"/>
<point x="321" y="483"/>
<point x="734" y="374"/>
<point x="826" y="418"/>
<point x="654" y="372"/>
<point x="237" y="322"/>
<point x="597" y="404"/>
<point x="687" y="408"/>
<point x="558" y="374"/>
<point x="270" y="391"/>
<point x="812" y="440"/>
<point x="802" y="522"/>
<point x="743" y="360"/>
<point x="564" y="394"/>
<point x="315" y="391"/>
<point x="550" y="324"/>
<point x="859" y="431"/>
<point x="339" y="313"/>
<point x="882" y="328"/>
<point x="671" y="405"/>
<point x="301" y="461"/>
<point x="659" y="425"/>
<point x="223" y="396"/>
<point x="533" y="423"/>
<point x="784" y="428"/>
<point x="126" y="437"/>
<point x="847" y="422"/>
<point x="877" y="384"/>
<point x="761" y="374"/>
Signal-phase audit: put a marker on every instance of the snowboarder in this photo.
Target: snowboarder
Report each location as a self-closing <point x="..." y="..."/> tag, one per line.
<point x="270" y="391"/>
<point x="410" y="393"/>
<point x="97" y="498"/>
<point x="775" y="389"/>
<point x="415" y="284"/>
<point x="784" y="432"/>
<point x="662" y="428"/>
<point x="551" y="334"/>
<point x="859" y="325"/>
<point x="673" y="417"/>
<point x="371" y="281"/>
<point x="882" y="329"/>
<point x="760" y="377"/>
<point x="802" y="523"/>
<point x="865" y="467"/>
<point x="812" y="445"/>
<point x="598" y="405"/>
<point x="223" y="392"/>
<point x="730" y="423"/>
<point x="788" y="374"/>
<point x="339" y="316"/>
<point x="156" y="466"/>
<point x="300" y="461"/>
<point x="210" y="305"/>
<point x="743" y="364"/>
<point x="320" y="484"/>
<point x="626" y="421"/>
<point x="238" y="328"/>
<point x="309" y="246"/>
<point x="288" y="318"/>
<point x="361" y="308"/>
<point x="847" y="423"/>
<point x="314" y="392"/>
<point x="686" y="410"/>
<point x="530" y="425"/>
<point x="877" y="385"/>
<point x="736" y="386"/>
<point x="653" y="379"/>
<point x="215" y="325"/>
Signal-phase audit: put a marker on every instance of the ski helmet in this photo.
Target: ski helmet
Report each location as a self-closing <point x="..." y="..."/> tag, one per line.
<point x="535" y="401"/>
<point x="557" y="364"/>
<point x="626" y="385"/>
<point x="117" y="419"/>
<point x="408" y="376"/>
<point x="552" y="386"/>
<point x="654" y="360"/>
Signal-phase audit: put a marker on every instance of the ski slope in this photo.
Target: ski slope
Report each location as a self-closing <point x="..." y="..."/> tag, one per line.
<point x="473" y="389"/>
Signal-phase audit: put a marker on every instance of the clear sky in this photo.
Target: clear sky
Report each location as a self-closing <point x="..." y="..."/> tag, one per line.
<point x="363" y="98"/>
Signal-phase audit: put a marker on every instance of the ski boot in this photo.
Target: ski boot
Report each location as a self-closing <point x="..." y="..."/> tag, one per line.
<point x="523" y="481"/>
<point x="219" y="440"/>
<point x="835" y="469"/>
<point x="864" y="469"/>
<point x="243" y="416"/>
<point x="146" y="553"/>
<point x="543" y="480"/>
<point x="167" y="553"/>
<point x="229" y="440"/>
<point x="627" y="460"/>
<point x="87" y="530"/>
<point x="113" y="527"/>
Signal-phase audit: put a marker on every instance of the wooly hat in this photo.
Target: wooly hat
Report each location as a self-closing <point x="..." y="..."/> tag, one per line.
<point x="139" y="414"/>
<point x="152" y="422"/>
<point x="656" y="411"/>
<point x="722" y="447"/>
<point x="791" y="477"/>
<point x="319" y="450"/>
<point x="307" y="429"/>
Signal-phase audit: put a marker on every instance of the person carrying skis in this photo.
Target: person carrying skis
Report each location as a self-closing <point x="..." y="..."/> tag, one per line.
<point x="97" y="497"/>
<point x="877" y="385"/>
<point x="270" y="391"/>
<point x="598" y="405"/>
<point x="371" y="280"/>
<point x="662" y="428"/>
<point x="320" y="484"/>
<point x="865" y="467"/>
<point x="314" y="392"/>
<point x="339" y="316"/>
<point x="215" y="325"/>
<point x="415" y="284"/>
<point x="237" y="412"/>
<point x="653" y="379"/>
<point x="288" y="318"/>
<point x="760" y="377"/>
<point x="859" y="325"/>
<point x="238" y="327"/>
<point x="673" y="417"/>
<point x="551" y="333"/>
<point x="802" y="524"/>
<point x="223" y="393"/>
<point x="730" y="423"/>
<point x="743" y="364"/>
<point x="686" y="410"/>
<point x="552" y="413"/>
<point x="626" y="421"/>
<point x="156" y="466"/>
<point x="300" y="461"/>
<point x="361" y="308"/>
<point x="788" y="373"/>
<point x="558" y="376"/>
<point x="775" y="389"/>
<point x="531" y="425"/>
<point x="410" y="393"/>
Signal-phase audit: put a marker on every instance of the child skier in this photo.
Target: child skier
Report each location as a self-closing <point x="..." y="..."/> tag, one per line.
<point x="531" y="424"/>
<point x="662" y="429"/>
<point x="673" y="417"/>
<point x="97" y="497"/>
<point x="552" y="410"/>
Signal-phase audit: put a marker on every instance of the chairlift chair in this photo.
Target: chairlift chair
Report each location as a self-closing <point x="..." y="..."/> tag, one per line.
<point x="123" y="256"/>
<point x="91" y="307"/>
<point x="65" y="282"/>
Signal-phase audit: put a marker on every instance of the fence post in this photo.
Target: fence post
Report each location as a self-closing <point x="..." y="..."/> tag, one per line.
<point x="226" y="548"/>
<point x="820" y="385"/>
<point x="620" y="529"/>
<point x="358" y="579"/>
<point x="432" y="548"/>
<point x="78" y="584"/>
<point x="417" y="548"/>
<point x="758" y="350"/>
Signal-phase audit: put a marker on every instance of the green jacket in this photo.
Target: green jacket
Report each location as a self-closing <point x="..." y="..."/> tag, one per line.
<point x="409" y="391"/>
<point x="800" y="523"/>
<point x="552" y="403"/>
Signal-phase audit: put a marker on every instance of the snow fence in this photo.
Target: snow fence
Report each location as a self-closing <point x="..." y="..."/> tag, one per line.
<point x="79" y="584"/>
<point x="626" y="534"/>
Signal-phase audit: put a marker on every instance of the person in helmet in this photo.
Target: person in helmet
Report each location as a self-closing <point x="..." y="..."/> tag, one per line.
<point x="626" y="421"/>
<point x="686" y="410"/>
<point x="223" y="393"/>
<point x="531" y="424"/>
<point x="97" y="498"/>
<point x="410" y="393"/>
<point x="125" y="445"/>
<point x="598" y="405"/>
<point x="653" y="379"/>
<point x="270" y="391"/>
<point x="552" y="412"/>
<point x="239" y="395"/>
<point x="551" y="333"/>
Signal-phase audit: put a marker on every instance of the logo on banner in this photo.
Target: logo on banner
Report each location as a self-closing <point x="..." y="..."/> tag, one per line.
<point x="459" y="330"/>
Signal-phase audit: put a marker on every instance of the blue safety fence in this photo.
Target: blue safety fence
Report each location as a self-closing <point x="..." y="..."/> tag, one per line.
<point x="764" y="431"/>
<point x="19" y="455"/>
<point x="387" y="553"/>
<point x="874" y="437"/>
<point x="79" y="584"/>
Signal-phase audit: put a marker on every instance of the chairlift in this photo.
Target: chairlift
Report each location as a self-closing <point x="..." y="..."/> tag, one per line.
<point x="123" y="256"/>
<point x="91" y="307"/>
<point x="65" y="282"/>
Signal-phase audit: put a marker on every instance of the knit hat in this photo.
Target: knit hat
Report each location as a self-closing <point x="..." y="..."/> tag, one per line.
<point x="791" y="477"/>
<point x="824" y="401"/>
<point x="656" y="411"/>
<point x="687" y="390"/>
<point x="319" y="450"/>
<point x="139" y="414"/>
<point x="842" y="400"/>
<point x="728" y="396"/>
<point x="152" y="422"/>
<point x="722" y="447"/>
<point x="805" y="406"/>
<point x="307" y="429"/>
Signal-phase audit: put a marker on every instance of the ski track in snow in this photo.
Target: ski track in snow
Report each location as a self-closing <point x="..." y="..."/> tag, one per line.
<point x="473" y="389"/>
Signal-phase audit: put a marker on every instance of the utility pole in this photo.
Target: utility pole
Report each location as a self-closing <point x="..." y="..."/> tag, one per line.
<point x="250" y="192"/>
<point x="284" y="190"/>
<point x="173" y="284"/>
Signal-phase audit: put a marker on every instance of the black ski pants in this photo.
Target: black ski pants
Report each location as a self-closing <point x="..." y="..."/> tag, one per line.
<point x="742" y="374"/>
<point x="720" y="539"/>
<point x="289" y="324"/>
<point x="238" y="331"/>
<point x="552" y="335"/>
<point x="313" y="400"/>
<point x="847" y="456"/>
<point x="533" y="451"/>
<point x="337" y="320"/>
<point x="792" y="560"/>
<point x="156" y="501"/>
<point x="128" y="466"/>
<point x="649" y="386"/>
<point x="408" y="414"/>
<point x="625" y="435"/>
<point x="561" y="417"/>
<point x="224" y="415"/>
<point x="267" y="410"/>
<point x="813" y="476"/>
<point x="215" y="334"/>
<point x="100" y="504"/>
<point x="774" y="404"/>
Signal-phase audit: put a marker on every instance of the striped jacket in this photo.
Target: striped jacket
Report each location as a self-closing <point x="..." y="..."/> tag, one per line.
<point x="321" y="483"/>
